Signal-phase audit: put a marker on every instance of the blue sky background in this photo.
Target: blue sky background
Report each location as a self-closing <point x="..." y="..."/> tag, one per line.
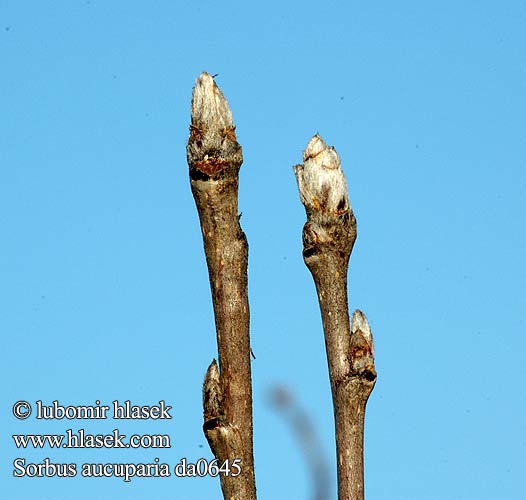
<point x="104" y="290"/>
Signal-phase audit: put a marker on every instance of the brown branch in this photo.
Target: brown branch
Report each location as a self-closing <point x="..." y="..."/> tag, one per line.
<point x="328" y="239"/>
<point x="214" y="157"/>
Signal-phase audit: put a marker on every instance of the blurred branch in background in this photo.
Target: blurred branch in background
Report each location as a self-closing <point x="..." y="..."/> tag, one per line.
<point x="305" y="432"/>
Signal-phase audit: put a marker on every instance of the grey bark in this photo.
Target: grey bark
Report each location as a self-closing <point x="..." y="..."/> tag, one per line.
<point x="214" y="158"/>
<point x="328" y="239"/>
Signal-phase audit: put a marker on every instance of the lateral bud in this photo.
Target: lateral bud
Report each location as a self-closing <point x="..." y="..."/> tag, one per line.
<point x="362" y="347"/>
<point x="215" y="426"/>
<point x="212" y="393"/>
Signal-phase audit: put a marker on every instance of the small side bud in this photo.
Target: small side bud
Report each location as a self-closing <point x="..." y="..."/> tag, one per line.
<point x="359" y="322"/>
<point x="321" y="181"/>
<point x="215" y="426"/>
<point x="362" y="347"/>
<point x="212" y="393"/>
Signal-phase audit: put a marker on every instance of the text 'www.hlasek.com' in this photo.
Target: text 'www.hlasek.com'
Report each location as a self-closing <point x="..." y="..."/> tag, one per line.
<point x="80" y="438"/>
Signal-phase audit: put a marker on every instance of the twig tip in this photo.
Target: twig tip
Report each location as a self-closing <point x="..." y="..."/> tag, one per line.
<point x="321" y="181"/>
<point x="209" y="105"/>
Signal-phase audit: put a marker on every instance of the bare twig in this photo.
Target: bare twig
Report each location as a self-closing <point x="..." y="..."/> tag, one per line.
<point x="214" y="157"/>
<point x="328" y="239"/>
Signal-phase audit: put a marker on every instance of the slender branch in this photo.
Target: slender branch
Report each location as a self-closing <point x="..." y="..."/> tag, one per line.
<point x="328" y="238"/>
<point x="214" y="158"/>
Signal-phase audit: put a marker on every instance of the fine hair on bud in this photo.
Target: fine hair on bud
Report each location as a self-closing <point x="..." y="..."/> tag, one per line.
<point x="321" y="181"/>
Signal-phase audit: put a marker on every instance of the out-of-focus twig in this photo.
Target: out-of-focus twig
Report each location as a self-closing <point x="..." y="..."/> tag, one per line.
<point x="305" y="432"/>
